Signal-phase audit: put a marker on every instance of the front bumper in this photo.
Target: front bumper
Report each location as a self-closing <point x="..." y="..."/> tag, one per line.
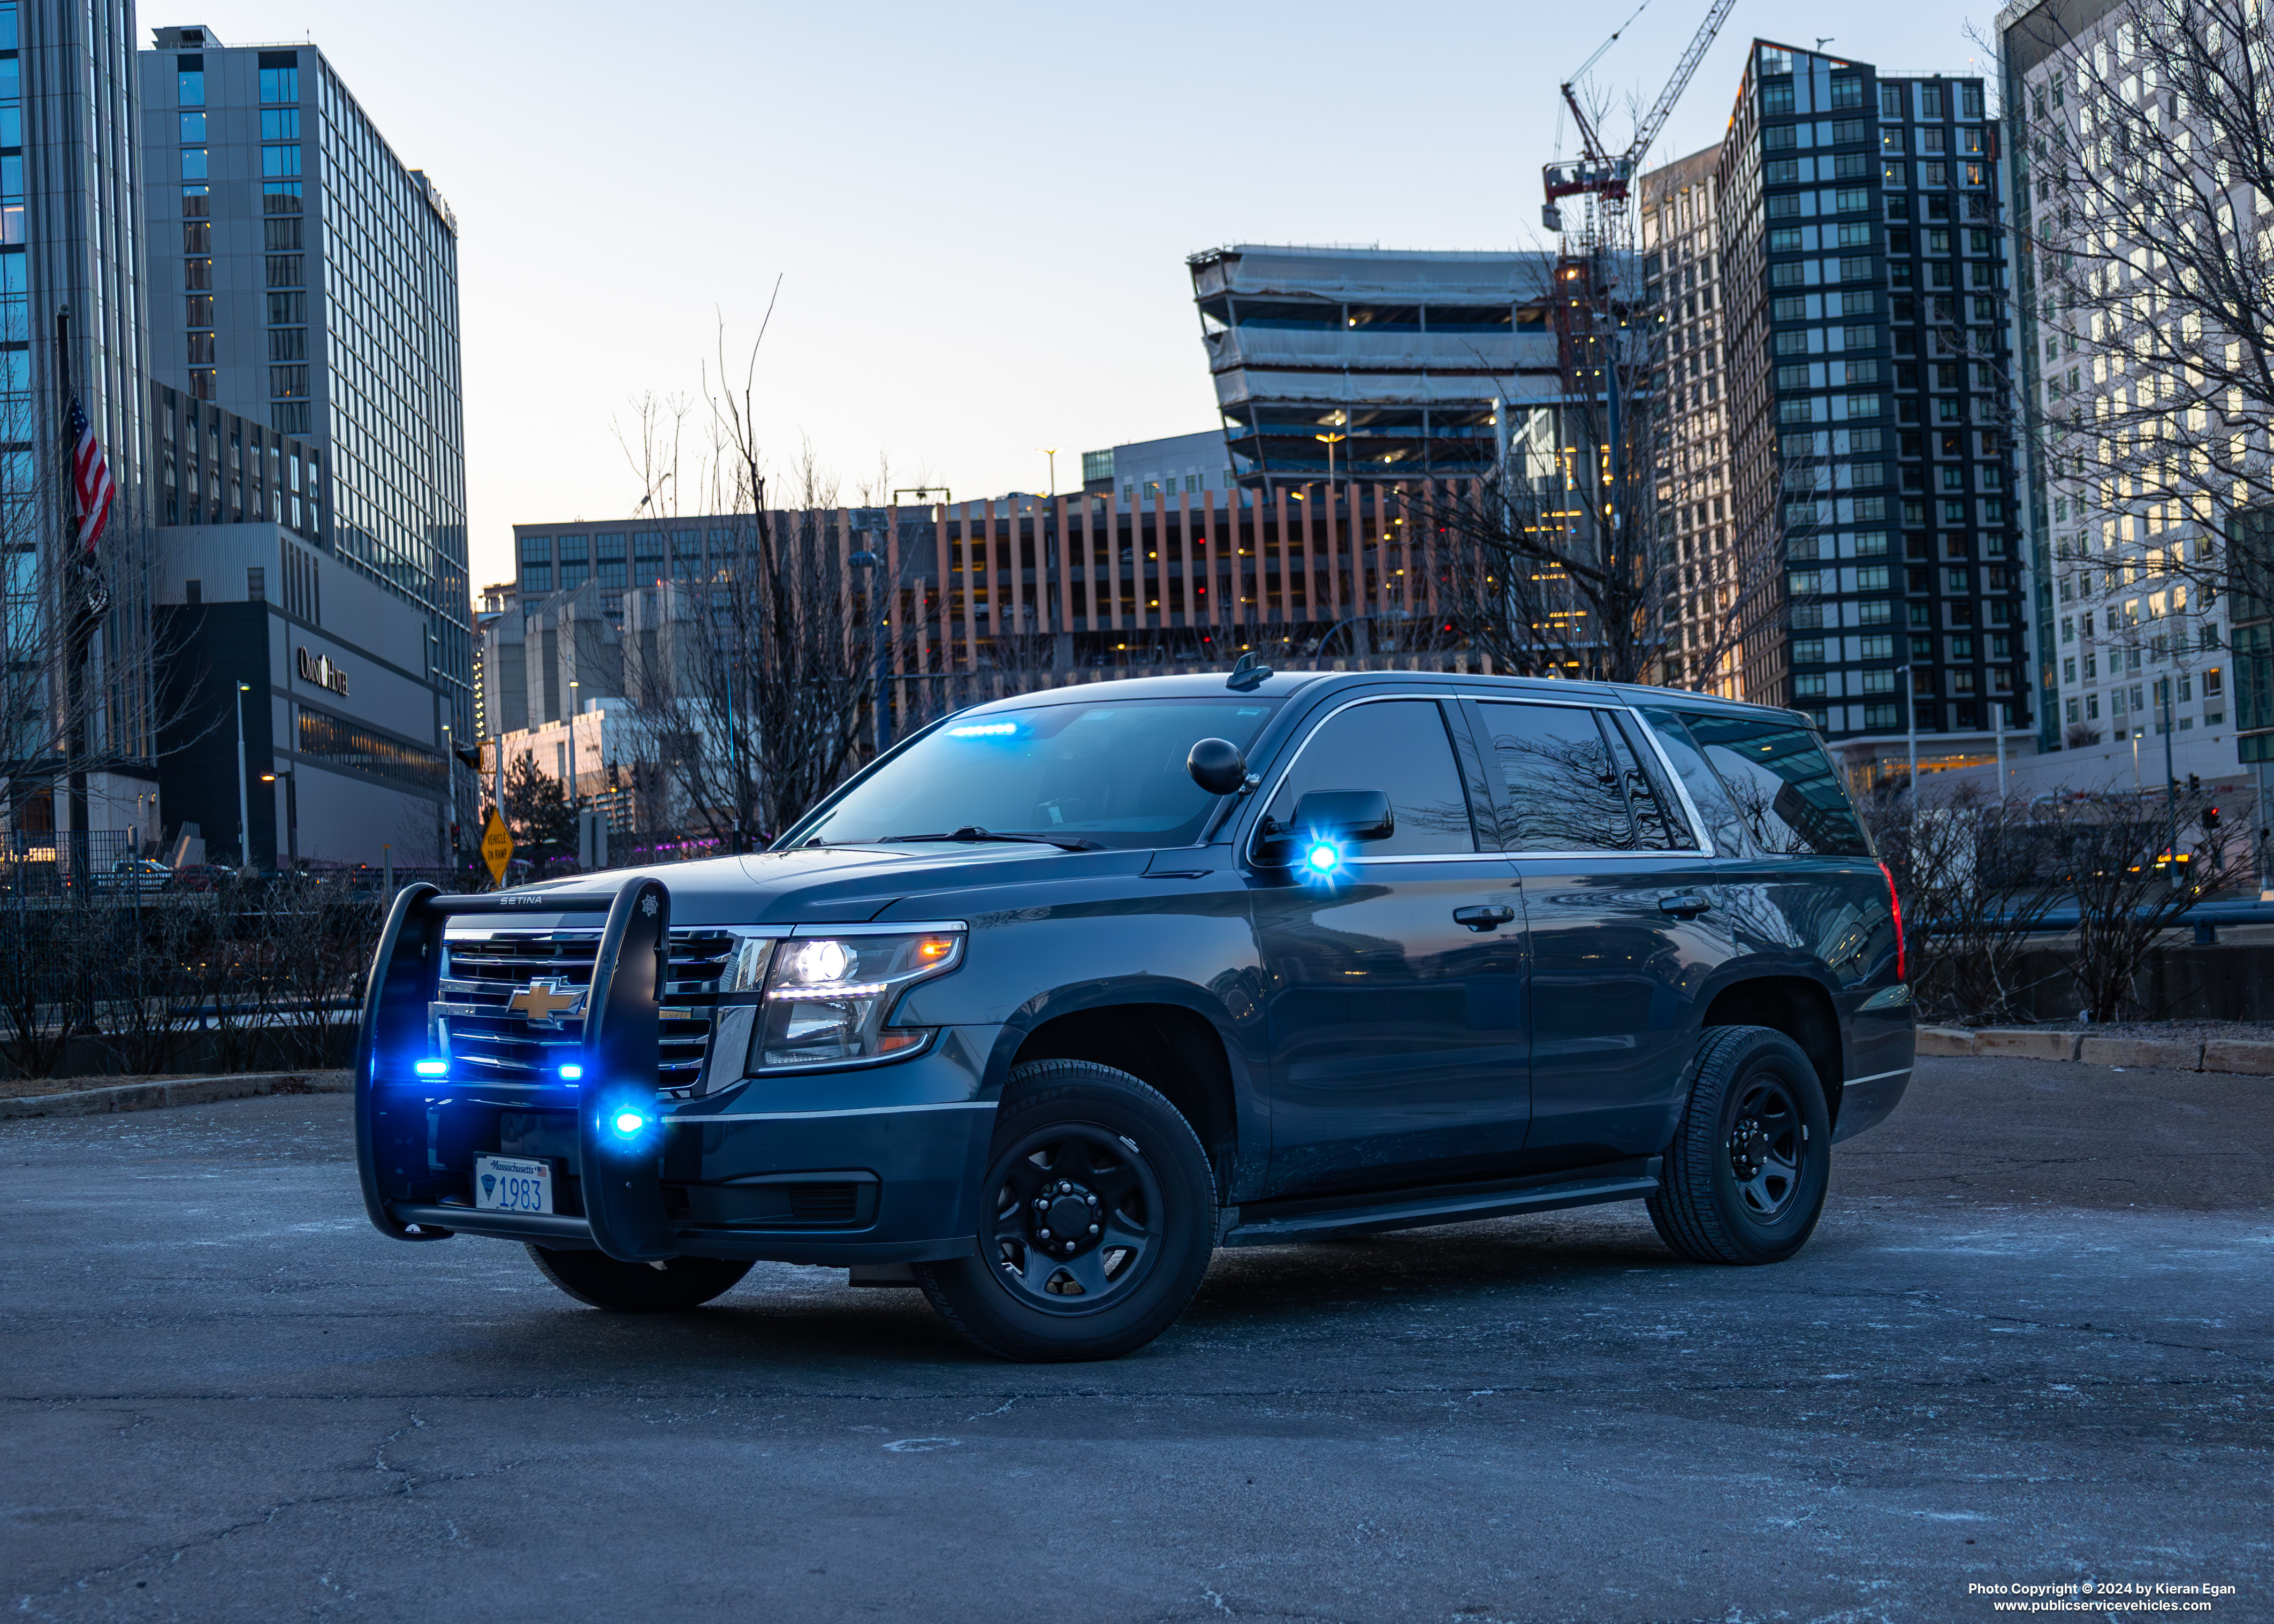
<point x="876" y="1165"/>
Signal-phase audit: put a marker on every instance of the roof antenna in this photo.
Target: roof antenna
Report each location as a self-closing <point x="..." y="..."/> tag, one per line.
<point x="1247" y="672"/>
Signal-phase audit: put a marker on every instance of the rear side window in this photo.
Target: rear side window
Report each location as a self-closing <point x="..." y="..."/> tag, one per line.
<point x="1781" y="784"/>
<point x="1399" y="747"/>
<point x="1569" y="782"/>
<point x="1705" y="790"/>
<point x="1660" y="825"/>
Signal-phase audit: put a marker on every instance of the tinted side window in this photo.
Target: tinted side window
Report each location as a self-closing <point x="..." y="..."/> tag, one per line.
<point x="1782" y="784"/>
<point x="1660" y="825"/>
<point x="1705" y="790"/>
<point x="1558" y="781"/>
<point x="1399" y="747"/>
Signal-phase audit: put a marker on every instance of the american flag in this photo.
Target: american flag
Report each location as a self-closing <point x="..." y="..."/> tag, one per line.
<point x="90" y="479"/>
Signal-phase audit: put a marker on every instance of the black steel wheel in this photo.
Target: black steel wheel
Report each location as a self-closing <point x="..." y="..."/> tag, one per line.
<point x="1077" y="1215"/>
<point x="1098" y="1219"/>
<point x="1745" y="1179"/>
<point x="672" y="1286"/>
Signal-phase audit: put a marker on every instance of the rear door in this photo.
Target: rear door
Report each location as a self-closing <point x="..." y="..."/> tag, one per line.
<point x="1398" y="1030"/>
<point x="1622" y="919"/>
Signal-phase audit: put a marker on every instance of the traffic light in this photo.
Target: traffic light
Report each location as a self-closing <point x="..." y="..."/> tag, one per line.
<point x="2195" y="784"/>
<point x="2211" y="818"/>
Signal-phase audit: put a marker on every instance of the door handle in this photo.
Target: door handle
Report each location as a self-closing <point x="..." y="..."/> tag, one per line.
<point x="1685" y="903"/>
<point x="1484" y="919"/>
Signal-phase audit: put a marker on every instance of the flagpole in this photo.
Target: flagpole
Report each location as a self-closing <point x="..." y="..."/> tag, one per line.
<point x="75" y="639"/>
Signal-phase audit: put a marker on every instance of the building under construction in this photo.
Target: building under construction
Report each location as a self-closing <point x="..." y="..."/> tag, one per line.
<point x="1372" y="364"/>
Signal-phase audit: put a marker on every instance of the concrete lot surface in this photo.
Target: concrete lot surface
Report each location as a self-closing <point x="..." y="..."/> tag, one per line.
<point x="2030" y="1345"/>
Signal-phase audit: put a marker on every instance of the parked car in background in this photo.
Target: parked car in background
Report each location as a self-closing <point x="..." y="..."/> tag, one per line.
<point x="133" y="874"/>
<point x="1069" y="989"/>
<point x="200" y="876"/>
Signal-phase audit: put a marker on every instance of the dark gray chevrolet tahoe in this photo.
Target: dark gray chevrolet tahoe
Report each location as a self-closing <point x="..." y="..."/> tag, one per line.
<point x="1068" y="990"/>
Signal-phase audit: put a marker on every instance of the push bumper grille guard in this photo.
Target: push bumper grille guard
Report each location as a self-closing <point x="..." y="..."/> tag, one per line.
<point x="621" y="1177"/>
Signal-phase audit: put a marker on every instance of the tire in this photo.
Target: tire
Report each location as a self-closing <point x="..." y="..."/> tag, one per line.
<point x="1745" y="1177"/>
<point x="670" y="1287"/>
<point x="1088" y="1143"/>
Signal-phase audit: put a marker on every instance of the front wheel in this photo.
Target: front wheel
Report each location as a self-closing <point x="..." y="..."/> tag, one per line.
<point x="1745" y="1177"/>
<point x="672" y="1286"/>
<point x="1098" y="1224"/>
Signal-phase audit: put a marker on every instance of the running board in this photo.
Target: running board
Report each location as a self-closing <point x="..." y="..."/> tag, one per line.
<point x="1414" y="1210"/>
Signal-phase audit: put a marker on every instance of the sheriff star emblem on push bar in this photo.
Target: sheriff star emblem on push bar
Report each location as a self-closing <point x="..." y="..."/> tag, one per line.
<point x="546" y="1000"/>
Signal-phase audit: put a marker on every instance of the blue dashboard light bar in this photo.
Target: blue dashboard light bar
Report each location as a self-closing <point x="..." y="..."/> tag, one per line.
<point x="572" y="1073"/>
<point x="431" y="1068"/>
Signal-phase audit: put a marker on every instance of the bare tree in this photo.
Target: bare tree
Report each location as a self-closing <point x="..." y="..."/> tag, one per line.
<point x="1564" y="559"/>
<point x="749" y="689"/>
<point x="2117" y="865"/>
<point x="1978" y="876"/>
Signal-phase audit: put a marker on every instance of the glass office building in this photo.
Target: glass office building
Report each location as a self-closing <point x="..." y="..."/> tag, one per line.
<point x="69" y="242"/>
<point x="304" y="276"/>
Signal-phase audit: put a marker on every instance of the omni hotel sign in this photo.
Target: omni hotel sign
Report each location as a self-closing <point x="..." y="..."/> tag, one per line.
<point x="323" y="671"/>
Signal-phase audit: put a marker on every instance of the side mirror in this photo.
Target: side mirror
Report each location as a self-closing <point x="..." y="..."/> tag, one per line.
<point x="1344" y="814"/>
<point x="1217" y="766"/>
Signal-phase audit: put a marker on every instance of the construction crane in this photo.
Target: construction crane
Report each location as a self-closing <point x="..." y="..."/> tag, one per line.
<point x="1599" y="172"/>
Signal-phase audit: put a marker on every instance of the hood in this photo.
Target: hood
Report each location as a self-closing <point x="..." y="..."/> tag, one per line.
<point x="838" y="884"/>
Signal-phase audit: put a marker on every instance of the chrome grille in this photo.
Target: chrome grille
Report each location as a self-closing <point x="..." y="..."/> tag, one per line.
<point x="493" y="1043"/>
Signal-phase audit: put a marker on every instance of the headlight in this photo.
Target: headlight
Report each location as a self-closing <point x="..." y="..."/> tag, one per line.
<point x="827" y="997"/>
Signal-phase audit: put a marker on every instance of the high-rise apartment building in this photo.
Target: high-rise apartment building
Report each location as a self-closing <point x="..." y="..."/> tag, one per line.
<point x="1864" y="256"/>
<point x="71" y="323"/>
<point x="2130" y="647"/>
<point x="304" y="276"/>
<point x="1681" y="248"/>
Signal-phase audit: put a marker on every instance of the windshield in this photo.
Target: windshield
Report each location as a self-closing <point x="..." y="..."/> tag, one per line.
<point x="1107" y="774"/>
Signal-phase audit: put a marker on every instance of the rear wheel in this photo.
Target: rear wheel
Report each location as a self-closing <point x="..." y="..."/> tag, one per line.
<point x="1745" y="1177"/>
<point x="672" y="1286"/>
<point x="1097" y="1225"/>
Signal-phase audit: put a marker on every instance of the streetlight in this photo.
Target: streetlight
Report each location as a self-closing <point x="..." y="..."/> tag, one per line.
<point x="1910" y="722"/>
<point x="1051" y="452"/>
<point x="291" y="812"/>
<point x="244" y="794"/>
<point x="1336" y="420"/>
<point x="2170" y="787"/>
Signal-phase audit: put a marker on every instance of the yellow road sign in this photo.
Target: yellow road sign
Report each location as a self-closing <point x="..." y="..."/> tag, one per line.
<point x="497" y="846"/>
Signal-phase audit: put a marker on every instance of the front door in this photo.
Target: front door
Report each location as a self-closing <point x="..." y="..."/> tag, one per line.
<point x="1399" y="1034"/>
<point x="1625" y="924"/>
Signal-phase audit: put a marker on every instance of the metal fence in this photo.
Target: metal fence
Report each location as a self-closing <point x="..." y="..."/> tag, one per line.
<point x="241" y="974"/>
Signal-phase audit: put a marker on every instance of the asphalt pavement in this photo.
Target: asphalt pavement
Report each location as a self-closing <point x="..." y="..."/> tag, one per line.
<point x="2030" y="1345"/>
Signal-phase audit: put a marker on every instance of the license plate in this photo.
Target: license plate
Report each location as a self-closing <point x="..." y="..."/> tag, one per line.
<point x="513" y="1184"/>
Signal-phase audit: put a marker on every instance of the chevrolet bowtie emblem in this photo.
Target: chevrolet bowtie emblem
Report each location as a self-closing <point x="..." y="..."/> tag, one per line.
<point x="545" y="1001"/>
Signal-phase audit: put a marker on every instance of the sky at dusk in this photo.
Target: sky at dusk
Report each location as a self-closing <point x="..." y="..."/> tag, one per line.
<point x="978" y="215"/>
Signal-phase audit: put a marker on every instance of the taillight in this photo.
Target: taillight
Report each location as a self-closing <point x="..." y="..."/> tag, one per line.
<point x="1896" y="903"/>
